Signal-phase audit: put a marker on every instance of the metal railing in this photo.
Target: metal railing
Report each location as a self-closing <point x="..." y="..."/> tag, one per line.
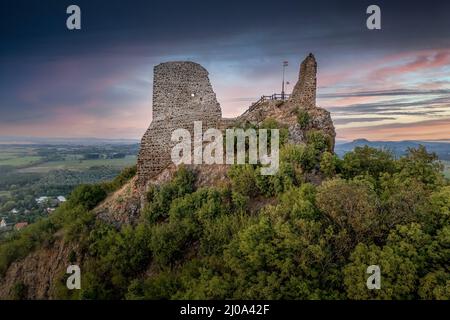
<point x="275" y="96"/>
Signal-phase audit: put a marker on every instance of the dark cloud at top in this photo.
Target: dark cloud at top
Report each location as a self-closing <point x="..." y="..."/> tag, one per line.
<point x="39" y="26"/>
<point x="106" y="67"/>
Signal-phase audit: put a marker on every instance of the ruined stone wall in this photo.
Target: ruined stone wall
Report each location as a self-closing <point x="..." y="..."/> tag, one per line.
<point x="303" y="97"/>
<point x="304" y="91"/>
<point x="182" y="94"/>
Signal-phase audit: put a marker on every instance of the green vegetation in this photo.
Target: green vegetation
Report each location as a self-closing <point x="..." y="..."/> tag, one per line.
<point x="306" y="242"/>
<point x="73" y="218"/>
<point x="79" y="164"/>
<point x="20" y="162"/>
<point x="303" y="118"/>
<point x="446" y="169"/>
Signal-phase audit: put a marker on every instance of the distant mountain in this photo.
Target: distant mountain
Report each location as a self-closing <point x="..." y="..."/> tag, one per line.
<point x="441" y="148"/>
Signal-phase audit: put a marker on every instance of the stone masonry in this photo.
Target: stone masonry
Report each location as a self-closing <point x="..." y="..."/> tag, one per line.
<point x="182" y="94"/>
<point x="305" y="90"/>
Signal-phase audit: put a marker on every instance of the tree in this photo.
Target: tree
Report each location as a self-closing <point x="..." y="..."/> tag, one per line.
<point x="398" y="274"/>
<point x="367" y="161"/>
<point x="350" y="205"/>
<point x="87" y="196"/>
<point x="329" y="164"/>
<point x="279" y="259"/>
<point x="422" y="166"/>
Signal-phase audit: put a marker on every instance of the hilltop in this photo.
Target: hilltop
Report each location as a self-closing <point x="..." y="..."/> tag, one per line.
<point x="399" y="148"/>
<point x="227" y="232"/>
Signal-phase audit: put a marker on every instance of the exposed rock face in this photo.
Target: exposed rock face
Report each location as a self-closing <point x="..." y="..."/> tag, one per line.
<point x="40" y="272"/>
<point x="182" y="94"/>
<point x="122" y="207"/>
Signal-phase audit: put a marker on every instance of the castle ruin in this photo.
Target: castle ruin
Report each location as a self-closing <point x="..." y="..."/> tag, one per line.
<point x="304" y="92"/>
<point x="182" y="94"/>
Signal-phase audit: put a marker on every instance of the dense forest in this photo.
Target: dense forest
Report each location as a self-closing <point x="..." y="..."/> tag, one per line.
<point x="264" y="237"/>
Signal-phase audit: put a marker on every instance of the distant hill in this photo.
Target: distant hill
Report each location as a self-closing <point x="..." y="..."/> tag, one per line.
<point x="442" y="149"/>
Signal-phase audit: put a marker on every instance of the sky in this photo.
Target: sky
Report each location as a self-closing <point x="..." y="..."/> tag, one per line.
<point x="388" y="84"/>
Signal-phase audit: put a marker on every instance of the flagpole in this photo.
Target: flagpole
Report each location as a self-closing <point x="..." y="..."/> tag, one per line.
<point x="285" y="63"/>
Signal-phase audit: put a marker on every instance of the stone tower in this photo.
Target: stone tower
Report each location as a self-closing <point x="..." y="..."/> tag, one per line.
<point x="182" y="94"/>
<point x="304" y="92"/>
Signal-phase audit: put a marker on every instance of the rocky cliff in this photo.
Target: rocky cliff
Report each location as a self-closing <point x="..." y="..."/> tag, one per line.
<point x="185" y="88"/>
<point x="182" y="94"/>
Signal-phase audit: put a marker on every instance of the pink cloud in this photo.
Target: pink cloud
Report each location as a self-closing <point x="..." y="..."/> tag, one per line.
<point x="416" y="61"/>
<point x="422" y="130"/>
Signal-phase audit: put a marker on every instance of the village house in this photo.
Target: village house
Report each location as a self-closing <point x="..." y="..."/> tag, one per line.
<point x="20" y="225"/>
<point x="41" y="200"/>
<point x="50" y="210"/>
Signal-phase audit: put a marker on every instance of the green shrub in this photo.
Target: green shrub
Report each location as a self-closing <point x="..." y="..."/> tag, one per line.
<point x="299" y="202"/>
<point x="270" y="123"/>
<point x="168" y="240"/>
<point x="161" y="286"/>
<point x="87" y="196"/>
<point x="243" y="179"/>
<point x="219" y="231"/>
<point x="183" y="181"/>
<point x="303" y="118"/>
<point x="160" y="198"/>
<point x="188" y="205"/>
<point x="240" y="201"/>
<point x="319" y="140"/>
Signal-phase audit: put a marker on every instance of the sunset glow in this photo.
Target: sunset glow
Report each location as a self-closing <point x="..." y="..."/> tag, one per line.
<point x="389" y="85"/>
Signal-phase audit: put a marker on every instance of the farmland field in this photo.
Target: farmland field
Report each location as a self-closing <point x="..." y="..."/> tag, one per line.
<point x="80" y="165"/>
<point x="17" y="156"/>
<point x="17" y="161"/>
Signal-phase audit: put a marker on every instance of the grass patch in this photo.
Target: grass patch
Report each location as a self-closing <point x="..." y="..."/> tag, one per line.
<point x="19" y="161"/>
<point x="80" y="165"/>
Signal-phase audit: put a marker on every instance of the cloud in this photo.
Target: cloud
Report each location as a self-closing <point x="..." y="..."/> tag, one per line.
<point x="98" y="81"/>
<point x="394" y="105"/>
<point x="342" y="121"/>
<point x="383" y="93"/>
<point x="422" y="130"/>
<point x="421" y="62"/>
